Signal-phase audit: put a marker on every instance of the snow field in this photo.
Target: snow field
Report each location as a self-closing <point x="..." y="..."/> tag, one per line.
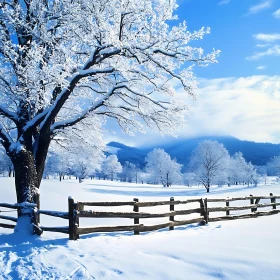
<point x="231" y="250"/>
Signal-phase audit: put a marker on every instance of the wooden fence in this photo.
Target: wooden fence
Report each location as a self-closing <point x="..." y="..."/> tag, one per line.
<point x="200" y="206"/>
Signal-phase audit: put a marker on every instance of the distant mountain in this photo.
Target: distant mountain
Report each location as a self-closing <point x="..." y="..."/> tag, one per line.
<point x="181" y="149"/>
<point x="256" y="153"/>
<point x="126" y="153"/>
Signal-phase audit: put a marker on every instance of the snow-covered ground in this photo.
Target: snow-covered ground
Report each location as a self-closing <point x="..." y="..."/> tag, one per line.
<point x="235" y="250"/>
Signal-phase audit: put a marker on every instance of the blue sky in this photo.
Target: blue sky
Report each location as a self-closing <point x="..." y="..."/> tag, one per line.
<point x="234" y="25"/>
<point x="239" y="96"/>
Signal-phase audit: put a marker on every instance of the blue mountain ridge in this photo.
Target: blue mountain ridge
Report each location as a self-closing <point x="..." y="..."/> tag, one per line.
<point x="181" y="149"/>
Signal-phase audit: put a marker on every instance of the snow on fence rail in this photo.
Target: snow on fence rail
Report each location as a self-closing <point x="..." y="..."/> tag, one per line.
<point x="76" y="211"/>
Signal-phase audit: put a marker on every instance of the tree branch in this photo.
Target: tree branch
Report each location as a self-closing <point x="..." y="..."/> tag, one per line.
<point x="5" y="137"/>
<point x="8" y="114"/>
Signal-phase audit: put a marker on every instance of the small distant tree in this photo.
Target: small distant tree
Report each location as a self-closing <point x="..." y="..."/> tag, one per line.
<point x="262" y="171"/>
<point x="189" y="179"/>
<point x="208" y="161"/>
<point x="242" y="171"/>
<point x="6" y="164"/>
<point x="274" y="165"/>
<point x="128" y="171"/>
<point x="251" y="176"/>
<point x="111" y="167"/>
<point x="86" y="163"/>
<point x="237" y="172"/>
<point x="162" y="169"/>
<point x="58" y="164"/>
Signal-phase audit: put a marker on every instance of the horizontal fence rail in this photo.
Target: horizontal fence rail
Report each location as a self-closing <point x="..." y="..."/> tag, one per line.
<point x="203" y="207"/>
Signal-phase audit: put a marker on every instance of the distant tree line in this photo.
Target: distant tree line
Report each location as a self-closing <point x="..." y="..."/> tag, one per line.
<point x="210" y="164"/>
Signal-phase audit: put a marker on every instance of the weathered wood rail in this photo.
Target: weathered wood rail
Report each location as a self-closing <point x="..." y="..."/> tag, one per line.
<point x="200" y="206"/>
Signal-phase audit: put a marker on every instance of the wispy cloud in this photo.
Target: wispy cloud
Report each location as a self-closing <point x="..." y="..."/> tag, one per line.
<point x="270" y="46"/>
<point x="260" y="7"/>
<point x="263" y="45"/>
<point x="276" y="14"/>
<point x="224" y="2"/>
<point x="247" y="108"/>
<point x="267" y="37"/>
<point x="261" y="67"/>
<point x="272" y="51"/>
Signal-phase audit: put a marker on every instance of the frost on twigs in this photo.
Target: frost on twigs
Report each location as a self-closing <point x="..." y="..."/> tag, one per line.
<point x="68" y="66"/>
<point x="77" y="59"/>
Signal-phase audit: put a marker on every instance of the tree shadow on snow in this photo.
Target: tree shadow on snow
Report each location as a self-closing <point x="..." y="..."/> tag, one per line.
<point x="129" y="233"/>
<point x="23" y="245"/>
<point x="166" y="192"/>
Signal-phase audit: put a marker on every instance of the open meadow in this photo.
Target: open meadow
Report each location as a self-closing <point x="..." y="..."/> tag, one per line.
<point x="230" y="250"/>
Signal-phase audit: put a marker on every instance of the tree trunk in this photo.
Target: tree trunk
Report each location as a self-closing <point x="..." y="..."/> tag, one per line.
<point x="27" y="190"/>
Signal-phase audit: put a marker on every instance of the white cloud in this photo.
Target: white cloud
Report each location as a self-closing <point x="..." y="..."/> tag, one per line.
<point x="261" y="67"/>
<point x="276" y="14"/>
<point x="263" y="45"/>
<point x="272" y="51"/>
<point x="247" y="108"/>
<point x="259" y="7"/>
<point x="224" y="2"/>
<point x="267" y="37"/>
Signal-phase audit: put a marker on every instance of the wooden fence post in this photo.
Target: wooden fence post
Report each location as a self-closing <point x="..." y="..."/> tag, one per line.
<point x="252" y="203"/>
<point x="72" y="218"/>
<point x="76" y="220"/>
<point x="37" y="199"/>
<point x="227" y="205"/>
<point x="202" y="213"/>
<point x="206" y="211"/>
<point x="136" y="209"/>
<point x="171" y="218"/>
<point x="273" y="200"/>
<point x="257" y="201"/>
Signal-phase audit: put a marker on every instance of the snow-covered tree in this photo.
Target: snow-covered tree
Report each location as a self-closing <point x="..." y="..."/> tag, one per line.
<point x="6" y="164"/>
<point x="62" y="62"/>
<point x="111" y="167"/>
<point x="86" y="163"/>
<point x="262" y="171"/>
<point x="162" y="169"/>
<point x="208" y="161"/>
<point x="237" y="169"/>
<point x="242" y="171"/>
<point x="59" y="164"/>
<point x="130" y="172"/>
<point x="189" y="179"/>
<point x="274" y="165"/>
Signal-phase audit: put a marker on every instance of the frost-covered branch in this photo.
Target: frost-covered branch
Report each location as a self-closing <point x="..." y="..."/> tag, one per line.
<point x="5" y="138"/>
<point x="7" y="113"/>
<point x="68" y="66"/>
